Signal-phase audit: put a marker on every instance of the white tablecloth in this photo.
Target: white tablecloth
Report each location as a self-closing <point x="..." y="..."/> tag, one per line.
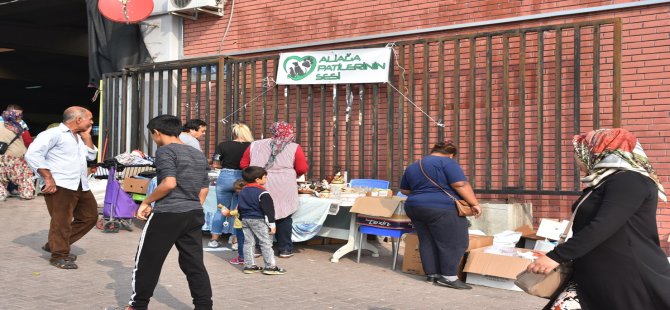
<point x="309" y="218"/>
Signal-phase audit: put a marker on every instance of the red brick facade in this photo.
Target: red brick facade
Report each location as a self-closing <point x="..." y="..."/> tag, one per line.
<point x="645" y="76"/>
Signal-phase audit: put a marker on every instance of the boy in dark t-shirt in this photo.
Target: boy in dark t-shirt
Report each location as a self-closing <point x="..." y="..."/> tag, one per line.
<point x="176" y="218"/>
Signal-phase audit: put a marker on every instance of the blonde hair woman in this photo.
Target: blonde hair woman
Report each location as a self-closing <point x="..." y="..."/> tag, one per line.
<point x="242" y="132"/>
<point x="227" y="157"/>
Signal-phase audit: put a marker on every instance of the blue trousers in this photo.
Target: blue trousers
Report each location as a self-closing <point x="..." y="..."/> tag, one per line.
<point x="240" y="242"/>
<point x="443" y="238"/>
<point x="225" y="195"/>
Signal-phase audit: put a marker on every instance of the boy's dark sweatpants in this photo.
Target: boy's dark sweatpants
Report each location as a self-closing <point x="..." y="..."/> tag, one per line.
<point x="161" y="231"/>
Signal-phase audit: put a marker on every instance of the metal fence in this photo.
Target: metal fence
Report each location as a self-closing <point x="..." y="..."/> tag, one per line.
<point x="511" y="100"/>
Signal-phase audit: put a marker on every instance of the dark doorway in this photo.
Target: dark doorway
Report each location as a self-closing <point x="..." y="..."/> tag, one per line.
<point x="44" y="59"/>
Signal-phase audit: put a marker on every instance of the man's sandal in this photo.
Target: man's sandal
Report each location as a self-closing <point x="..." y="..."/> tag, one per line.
<point x="64" y="264"/>
<point x="70" y="257"/>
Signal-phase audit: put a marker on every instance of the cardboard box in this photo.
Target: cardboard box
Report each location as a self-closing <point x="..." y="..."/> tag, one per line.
<point x="133" y="185"/>
<point x="391" y="207"/>
<point x="494" y="270"/>
<point x="475" y="242"/>
<point x="492" y="281"/>
<point x="411" y="261"/>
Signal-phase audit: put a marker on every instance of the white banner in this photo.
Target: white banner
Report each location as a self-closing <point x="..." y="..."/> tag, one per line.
<point x="369" y="65"/>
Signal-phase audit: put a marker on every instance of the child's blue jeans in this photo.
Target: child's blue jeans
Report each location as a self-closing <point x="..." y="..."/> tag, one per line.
<point x="240" y="242"/>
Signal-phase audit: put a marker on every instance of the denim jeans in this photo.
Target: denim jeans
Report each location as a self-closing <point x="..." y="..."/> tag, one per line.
<point x="240" y="242"/>
<point x="284" y="233"/>
<point x="253" y="229"/>
<point x="225" y="195"/>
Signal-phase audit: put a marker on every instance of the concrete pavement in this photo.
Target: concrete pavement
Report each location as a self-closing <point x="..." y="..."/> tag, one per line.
<point x="312" y="282"/>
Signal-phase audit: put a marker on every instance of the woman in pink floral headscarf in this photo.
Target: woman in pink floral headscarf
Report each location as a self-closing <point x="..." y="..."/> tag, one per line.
<point x="13" y="168"/>
<point x="285" y="161"/>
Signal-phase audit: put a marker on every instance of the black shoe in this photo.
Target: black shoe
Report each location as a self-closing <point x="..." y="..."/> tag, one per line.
<point x="285" y="254"/>
<point x="431" y="278"/>
<point x="274" y="270"/>
<point x="457" y="284"/>
<point x="64" y="264"/>
<point x="252" y="269"/>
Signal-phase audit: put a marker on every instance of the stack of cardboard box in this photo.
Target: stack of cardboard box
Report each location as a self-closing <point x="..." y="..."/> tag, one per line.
<point x="411" y="262"/>
<point x="479" y="266"/>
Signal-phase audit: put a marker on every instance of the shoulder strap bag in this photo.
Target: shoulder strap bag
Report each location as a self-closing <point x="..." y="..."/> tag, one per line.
<point x="463" y="207"/>
<point x="4" y="146"/>
<point x="545" y="286"/>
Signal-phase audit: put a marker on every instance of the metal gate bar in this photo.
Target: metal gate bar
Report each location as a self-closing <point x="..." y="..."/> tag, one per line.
<point x="500" y="89"/>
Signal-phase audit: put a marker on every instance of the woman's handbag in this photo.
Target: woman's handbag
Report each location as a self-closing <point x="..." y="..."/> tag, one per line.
<point x="463" y="207"/>
<point x="4" y="146"/>
<point x="545" y="286"/>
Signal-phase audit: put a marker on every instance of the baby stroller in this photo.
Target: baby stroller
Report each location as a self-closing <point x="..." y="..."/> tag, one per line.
<point x="119" y="208"/>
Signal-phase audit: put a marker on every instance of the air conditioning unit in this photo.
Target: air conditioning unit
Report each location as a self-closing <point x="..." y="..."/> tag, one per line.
<point x="190" y="8"/>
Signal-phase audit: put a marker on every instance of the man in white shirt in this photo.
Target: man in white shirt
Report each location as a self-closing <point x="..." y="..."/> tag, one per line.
<point x="59" y="156"/>
<point x="192" y="131"/>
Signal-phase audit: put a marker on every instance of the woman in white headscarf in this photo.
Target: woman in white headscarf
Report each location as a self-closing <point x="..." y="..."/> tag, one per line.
<point x="615" y="248"/>
<point x="284" y="161"/>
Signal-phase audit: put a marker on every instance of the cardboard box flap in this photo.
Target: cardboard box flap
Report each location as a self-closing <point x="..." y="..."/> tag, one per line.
<point x="495" y="265"/>
<point x="476" y="242"/>
<point x="377" y="206"/>
<point x="528" y="232"/>
<point x="525" y="230"/>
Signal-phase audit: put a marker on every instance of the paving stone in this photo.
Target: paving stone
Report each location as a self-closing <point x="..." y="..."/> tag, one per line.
<point x="312" y="282"/>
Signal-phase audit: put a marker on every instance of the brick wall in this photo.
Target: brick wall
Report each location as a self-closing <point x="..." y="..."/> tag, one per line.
<point x="645" y="77"/>
<point x="261" y="24"/>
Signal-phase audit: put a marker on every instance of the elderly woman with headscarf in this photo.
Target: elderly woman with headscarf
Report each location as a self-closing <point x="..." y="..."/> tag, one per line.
<point x="615" y="249"/>
<point x="13" y="167"/>
<point x="14" y="114"/>
<point x="285" y="161"/>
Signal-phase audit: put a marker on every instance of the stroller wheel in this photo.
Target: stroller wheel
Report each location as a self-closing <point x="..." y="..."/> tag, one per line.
<point x="111" y="227"/>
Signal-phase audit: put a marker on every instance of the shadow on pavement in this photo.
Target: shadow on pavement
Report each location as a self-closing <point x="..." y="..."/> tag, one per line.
<point x="36" y="240"/>
<point x="121" y="285"/>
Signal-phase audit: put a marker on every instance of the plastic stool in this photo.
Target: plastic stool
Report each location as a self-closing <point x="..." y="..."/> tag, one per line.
<point x="377" y="231"/>
<point x="373" y="183"/>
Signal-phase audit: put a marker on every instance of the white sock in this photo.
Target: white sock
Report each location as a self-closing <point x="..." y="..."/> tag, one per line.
<point x="450" y="278"/>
